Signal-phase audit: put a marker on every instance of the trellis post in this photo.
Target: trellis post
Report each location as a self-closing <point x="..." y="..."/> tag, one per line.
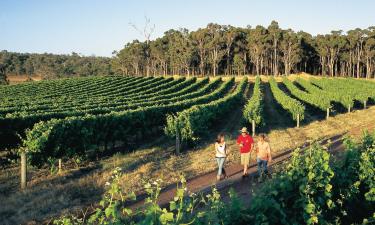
<point x="253" y="127"/>
<point x="298" y="118"/>
<point x="23" y="170"/>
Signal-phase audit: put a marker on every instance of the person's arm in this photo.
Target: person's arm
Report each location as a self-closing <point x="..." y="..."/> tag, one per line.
<point x="269" y="153"/>
<point x="239" y="141"/>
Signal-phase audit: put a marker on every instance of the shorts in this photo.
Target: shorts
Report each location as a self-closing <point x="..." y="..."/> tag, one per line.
<point x="245" y="158"/>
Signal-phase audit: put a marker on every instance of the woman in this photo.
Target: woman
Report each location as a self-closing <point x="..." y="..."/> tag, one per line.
<point x="221" y="155"/>
<point x="263" y="151"/>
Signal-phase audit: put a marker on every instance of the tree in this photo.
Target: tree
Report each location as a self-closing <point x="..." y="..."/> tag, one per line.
<point x="132" y="55"/>
<point x="238" y="63"/>
<point x="275" y="33"/>
<point x="369" y="50"/>
<point x="334" y="44"/>
<point x="200" y="39"/>
<point x="230" y="35"/>
<point x="3" y="78"/>
<point x="257" y="44"/>
<point x="181" y="49"/>
<point x="215" y="46"/>
<point x="146" y="32"/>
<point x="290" y="49"/>
<point x="159" y="50"/>
<point x="356" y="38"/>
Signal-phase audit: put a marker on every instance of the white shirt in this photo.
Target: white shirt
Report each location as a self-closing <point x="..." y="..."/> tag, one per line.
<point x="220" y="150"/>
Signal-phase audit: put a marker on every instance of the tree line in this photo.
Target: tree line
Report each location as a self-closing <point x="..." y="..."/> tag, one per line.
<point x="51" y="66"/>
<point x="224" y="49"/>
<point x="215" y="49"/>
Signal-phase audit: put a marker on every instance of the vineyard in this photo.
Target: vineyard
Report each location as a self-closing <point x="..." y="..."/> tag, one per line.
<point x="86" y="119"/>
<point x="72" y="118"/>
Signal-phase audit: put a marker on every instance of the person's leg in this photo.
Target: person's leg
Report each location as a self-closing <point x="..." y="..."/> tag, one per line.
<point x="243" y="162"/>
<point x="266" y="167"/>
<point x="259" y="164"/>
<point x="219" y="168"/>
<point x="222" y="161"/>
<point x="246" y="165"/>
<point x="223" y="169"/>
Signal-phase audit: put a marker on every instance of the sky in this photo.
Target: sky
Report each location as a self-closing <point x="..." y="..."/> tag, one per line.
<point x="98" y="27"/>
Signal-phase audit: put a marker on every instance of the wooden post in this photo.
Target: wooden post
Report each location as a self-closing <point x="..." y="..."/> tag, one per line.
<point x="23" y="170"/>
<point x="253" y="127"/>
<point x="60" y="165"/>
<point x="327" y="113"/>
<point x="298" y="120"/>
<point x="178" y="143"/>
<point x="364" y="104"/>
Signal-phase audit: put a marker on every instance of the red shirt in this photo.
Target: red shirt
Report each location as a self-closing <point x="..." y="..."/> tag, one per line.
<point x="246" y="142"/>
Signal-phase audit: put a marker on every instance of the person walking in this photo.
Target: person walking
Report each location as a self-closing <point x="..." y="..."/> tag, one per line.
<point x="263" y="152"/>
<point x="221" y="155"/>
<point x="246" y="144"/>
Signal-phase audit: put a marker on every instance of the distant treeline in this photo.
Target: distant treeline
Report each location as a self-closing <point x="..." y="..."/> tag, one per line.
<point x="219" y="49"/>
<point x="51" y="66"/>
<point x="215" y="49"/>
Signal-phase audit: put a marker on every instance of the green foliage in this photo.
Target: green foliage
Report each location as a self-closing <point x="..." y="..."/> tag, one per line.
<point x="292" y="105"/>
<point x="323" y="102"/>
<point x="253" y="109"/>
<point x="312" y="189"/>
<point x="75" y="136"/>
<point x="195" y="122"/>
<point x="54" y="66"/>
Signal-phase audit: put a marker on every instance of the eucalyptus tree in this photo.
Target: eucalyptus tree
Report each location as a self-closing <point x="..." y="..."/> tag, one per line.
<point x="275" y="33"/>
<point x="290" y="50"/>
<point x="230" y="34"/>
<point x="200" y="39"/>
<point x="240" y="49"/>
<point x="159" y="55"/>
<point x="131" y="55"/>
<point x="257" y="45"/>
<point x="357" y="38"/>
<point x="335" y="42"/>
<point x="238" y="63"/>
<point x="180" y="49"/>
<point x="216" y="45"/>
<point x="309" y="62"/>
<point x="369" y="51"/>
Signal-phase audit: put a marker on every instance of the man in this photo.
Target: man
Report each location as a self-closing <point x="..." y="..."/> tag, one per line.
<point x="246" y="143"/>
<point x="264" y="157"/>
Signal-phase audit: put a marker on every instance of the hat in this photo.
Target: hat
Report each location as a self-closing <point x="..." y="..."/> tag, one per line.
<point x="244" y="130"/>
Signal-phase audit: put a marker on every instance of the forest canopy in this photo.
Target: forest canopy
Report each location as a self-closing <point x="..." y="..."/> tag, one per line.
<point x="215" y="49"/>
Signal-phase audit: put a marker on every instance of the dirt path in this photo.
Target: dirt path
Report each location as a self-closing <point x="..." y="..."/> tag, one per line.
<point x="243" y="187"/>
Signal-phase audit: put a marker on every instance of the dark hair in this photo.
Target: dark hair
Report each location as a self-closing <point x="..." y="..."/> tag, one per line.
<point x="219" y="137"/>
